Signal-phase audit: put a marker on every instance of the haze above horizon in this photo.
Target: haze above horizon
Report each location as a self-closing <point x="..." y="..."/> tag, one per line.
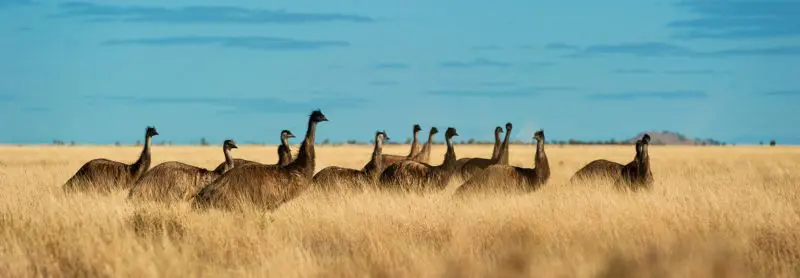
<point x="101" y="71"/>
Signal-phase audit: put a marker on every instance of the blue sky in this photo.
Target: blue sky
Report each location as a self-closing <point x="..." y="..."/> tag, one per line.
<point x="100" y="71"/>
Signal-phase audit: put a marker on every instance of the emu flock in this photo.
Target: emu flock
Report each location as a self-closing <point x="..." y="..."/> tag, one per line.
<point x="238" y="181"/>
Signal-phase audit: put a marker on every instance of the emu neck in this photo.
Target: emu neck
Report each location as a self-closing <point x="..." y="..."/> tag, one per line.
<point x="306" y="156"/>
<point x="285" y="141"/>
<point x="376" y="165"/>
<point x="644" y="165"/>
<point x="496" y="149"/>
<point x="542" y="166"/>
<point x="502" y="157"/>
<point x="414" y="145"/>
<point x="284" y="152"/>
<point x="426" y="149"/>
<point x="228" y="160"/>
<point x="638" y="154"/>
<point x="143" y="163"/>
<point x="450" y="155"/>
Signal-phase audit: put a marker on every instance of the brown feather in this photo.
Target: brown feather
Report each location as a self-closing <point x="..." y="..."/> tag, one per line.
<point x="411" y="175"/>
<point x="171" y="181"/>
<point x="634" y="175"/>
<point x="103" y="175"/>
<point x="338" y="178"/>
<point x="505" y="178"/>
<point x="264" y="186"/>
<point x="175" y="181"/>
<point x="469" y="166"/>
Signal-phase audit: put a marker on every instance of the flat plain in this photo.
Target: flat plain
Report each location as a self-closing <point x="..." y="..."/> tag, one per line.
<point x="731" y="211"/>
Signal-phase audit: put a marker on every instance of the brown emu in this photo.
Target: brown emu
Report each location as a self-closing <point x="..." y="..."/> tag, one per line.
<point x="411" y="175"/>
<point x="634" y="175"/>
<point x="388" y="159"/>
<point x="424" y="156"/>
<point x="174" y="181"/>
<point x="337" y="178"/>
<point x="511" y="178"/>
<point x="103" y="175"/>
<point x="469" y="166"/>
<point x="284" y="153"/>
<point x="265" y="186"/>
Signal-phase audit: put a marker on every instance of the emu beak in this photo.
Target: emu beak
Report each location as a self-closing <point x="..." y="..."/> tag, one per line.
<point x="290" y="135"/>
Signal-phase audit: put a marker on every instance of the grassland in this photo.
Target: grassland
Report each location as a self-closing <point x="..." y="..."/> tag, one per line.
<point x="713" y="212"/>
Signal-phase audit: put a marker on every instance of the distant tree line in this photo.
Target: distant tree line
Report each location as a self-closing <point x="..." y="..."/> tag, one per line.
<point x="471" y="141"/>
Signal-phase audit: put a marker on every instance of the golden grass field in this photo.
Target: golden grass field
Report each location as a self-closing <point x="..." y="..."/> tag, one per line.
<point x="712" y="212"/>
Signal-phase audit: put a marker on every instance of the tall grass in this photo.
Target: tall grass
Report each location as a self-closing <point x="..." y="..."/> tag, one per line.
<point x="713" y="212"/>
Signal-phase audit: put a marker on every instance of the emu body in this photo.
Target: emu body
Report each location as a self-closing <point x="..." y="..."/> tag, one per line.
<point x="104" y="175"/>
<point x="284" y="153"/>
<point x="469" y="166"/>
<point x="411" y="175"/>
<point x="264" y="186"/>
<point x="337" y="178"/>
<point x="174" y="181"/>
<point x="505" y="178"/>
<point x="634" y="175"/>
<point x="389" y="159"/>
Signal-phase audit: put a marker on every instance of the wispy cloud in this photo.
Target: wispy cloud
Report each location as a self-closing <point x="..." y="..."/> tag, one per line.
<point x="498" y="83"/>
<point x="8" y="98"/>
<point x="633" y="71"/>
<point x="660" y="49"/>
<point x="788" y="93"/>
<point x="391" y="66"/>
<point x="383" y="83"/>
<point x="506" y="93"/>
<point x="38" y="109"/>
<point x="739" y="20"/>
<point x="476" y="63"/>
<point x="487" y="48"/>
<point x="263" y="105"/>
<point x="484" y="93"/>
<point x="536" y="65"/>
<point x="669" y="72"/>
<point x="694" y="72"/>
<point x="195" y="14"/>
<point x="561" y="46"/>
<point x="662" y="95"/>
<point x="9" y="3"/>
<point x="638" y="49"/>
<point x="254" y="43"/>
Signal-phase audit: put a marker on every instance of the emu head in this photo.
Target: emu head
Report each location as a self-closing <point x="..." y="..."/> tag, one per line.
<point x="286" y="134"/>
<point x="451" y="131"/>
<point x="381" y="136"/>
<point x="498" y="130"/>
<point x="434" y="130"/>
<point x="151" y="131"/>
<point x="229" y="144"/>
<point x="417" y="128"/>
<point x="539" y="135"/>
<point x="317" y="116"/>
<point x="509" y="127"/>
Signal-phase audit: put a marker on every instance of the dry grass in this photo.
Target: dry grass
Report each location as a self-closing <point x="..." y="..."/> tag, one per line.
<point x="713" y="212"/>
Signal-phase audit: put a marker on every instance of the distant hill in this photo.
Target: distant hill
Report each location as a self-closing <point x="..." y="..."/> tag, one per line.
<point x="673" y="138"/>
